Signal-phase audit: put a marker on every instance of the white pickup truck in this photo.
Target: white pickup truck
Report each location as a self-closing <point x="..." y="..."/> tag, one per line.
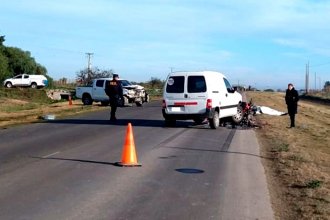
<point x="95" y="93"/>
<point x="33" y="81"/>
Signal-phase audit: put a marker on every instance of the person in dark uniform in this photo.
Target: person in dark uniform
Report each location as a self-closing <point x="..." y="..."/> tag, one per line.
<point x="291" y="99"/>
<point x="114" y="90"/>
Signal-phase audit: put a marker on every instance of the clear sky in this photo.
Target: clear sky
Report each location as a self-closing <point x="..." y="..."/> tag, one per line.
<point x="263" y="43"/>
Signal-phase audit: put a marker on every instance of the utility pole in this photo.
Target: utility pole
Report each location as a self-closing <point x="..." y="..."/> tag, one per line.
<point x="315" y="81"/>
<point x="307" y="78"/>
<point x="89" y="65"/>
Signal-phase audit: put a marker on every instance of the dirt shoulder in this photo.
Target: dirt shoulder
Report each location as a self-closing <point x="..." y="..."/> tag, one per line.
<point x="297" y="160"/>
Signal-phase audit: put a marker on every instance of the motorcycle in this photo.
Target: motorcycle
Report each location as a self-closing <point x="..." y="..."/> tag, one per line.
<point x="245" y="114"/>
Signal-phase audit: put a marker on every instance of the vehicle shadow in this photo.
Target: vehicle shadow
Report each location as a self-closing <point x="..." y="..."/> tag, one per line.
<point x="124" y="122"/>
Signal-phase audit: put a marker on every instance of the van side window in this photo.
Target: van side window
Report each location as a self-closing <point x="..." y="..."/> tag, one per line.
<point x="196" y="84"/>
<point x="228" y="86"/>
<point x="99" y="83"/>
<point x="175" y="84"/>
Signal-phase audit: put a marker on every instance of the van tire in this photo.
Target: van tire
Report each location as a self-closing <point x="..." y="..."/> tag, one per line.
<point x="170" y="122"/>
<point x="238" y="117"/>
<point x="214" y="121"/>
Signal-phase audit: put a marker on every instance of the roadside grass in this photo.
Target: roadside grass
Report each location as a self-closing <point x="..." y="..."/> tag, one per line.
<point x="298" y="172"/>
<point x="24" y="105"/>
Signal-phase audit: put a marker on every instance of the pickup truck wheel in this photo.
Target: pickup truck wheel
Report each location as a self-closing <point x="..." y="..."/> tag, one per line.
<point x="214" y="121"/>
<point x="9" y="85"/>
<point x="34" y="85"/>
<point x="87" y="100"/>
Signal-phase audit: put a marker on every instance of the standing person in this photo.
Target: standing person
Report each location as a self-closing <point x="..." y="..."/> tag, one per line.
<point x="291" y="99"/>
<point x="114" y="90"/>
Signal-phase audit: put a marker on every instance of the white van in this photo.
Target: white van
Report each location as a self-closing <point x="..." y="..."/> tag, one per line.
<point x="199" y="96"/>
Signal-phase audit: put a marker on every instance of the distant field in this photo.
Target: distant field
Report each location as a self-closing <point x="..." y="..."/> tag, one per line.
<point x="298" y="160"/>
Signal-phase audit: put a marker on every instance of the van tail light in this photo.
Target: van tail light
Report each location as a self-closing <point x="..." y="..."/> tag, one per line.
<point x="209" y="103"/>
<point x="164" y="104"/>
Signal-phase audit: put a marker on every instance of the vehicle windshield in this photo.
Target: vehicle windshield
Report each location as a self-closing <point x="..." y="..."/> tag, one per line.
<point x="125" y="83"/>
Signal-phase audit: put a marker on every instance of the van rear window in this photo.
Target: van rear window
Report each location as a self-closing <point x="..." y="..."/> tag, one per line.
<point x="175" y="84"/>
<point x="196" y="84"/>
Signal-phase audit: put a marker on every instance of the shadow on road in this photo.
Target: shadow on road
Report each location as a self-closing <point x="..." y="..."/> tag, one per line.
<point x="77" y="160"/>
<point x="124" y="122"/>
<point x="220" y="151"/>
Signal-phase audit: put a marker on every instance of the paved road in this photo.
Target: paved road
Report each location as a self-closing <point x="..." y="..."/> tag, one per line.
<point x="66" y="169"/>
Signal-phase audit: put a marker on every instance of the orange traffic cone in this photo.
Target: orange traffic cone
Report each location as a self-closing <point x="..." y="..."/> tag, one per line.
<point x="129" y="158"/>
<point x="70" y="100"/>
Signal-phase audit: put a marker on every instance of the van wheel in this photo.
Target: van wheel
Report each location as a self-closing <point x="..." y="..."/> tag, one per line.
<point x="237" y="118"/>
<point x="170" y="122"/>
<point x="214" y="121"/>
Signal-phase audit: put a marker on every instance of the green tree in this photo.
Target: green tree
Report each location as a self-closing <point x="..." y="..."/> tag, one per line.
<point x="3" y="67"/>
<point x="20" y="61"/>
<point x="155" y="83"/>
<point x="2" y="39"/>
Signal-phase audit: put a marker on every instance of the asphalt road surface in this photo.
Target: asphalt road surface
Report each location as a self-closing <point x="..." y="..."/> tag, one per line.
<point x="66" y="169"/>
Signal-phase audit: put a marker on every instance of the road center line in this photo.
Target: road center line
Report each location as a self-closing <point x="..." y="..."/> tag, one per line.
<point x="51" y="154"/>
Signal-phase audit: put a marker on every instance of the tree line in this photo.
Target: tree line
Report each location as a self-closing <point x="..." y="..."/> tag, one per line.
<point x="14" y="61"/>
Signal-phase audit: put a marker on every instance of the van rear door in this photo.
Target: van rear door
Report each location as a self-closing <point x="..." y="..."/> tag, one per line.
<point x="175" y="94"/>
<point x="196" y="94"/>
<point x="186" y="94"/>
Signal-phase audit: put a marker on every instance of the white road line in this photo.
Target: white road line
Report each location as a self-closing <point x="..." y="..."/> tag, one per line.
<point x="51" y="154"/>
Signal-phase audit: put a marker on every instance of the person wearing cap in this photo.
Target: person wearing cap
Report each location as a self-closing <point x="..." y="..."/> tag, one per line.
<point x="291" y="99"/>
<point x="114" y="90"/>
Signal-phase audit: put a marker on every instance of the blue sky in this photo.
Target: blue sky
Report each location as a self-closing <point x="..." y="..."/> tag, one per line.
<point x="266" y="43"/>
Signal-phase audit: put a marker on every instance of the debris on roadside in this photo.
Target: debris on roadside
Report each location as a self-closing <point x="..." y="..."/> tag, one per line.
<point x="48" y="117"/>
<point x="57" y="94"/>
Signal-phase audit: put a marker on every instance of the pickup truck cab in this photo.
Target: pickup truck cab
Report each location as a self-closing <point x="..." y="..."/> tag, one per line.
<point x="95" y="93"/>
<point x="33" y="81"/>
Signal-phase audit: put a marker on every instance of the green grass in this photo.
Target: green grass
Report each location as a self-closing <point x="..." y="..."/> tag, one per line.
<point x="17" y="108"/>
<point x="313" y="184"/>
<point x="281" y="148"/>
